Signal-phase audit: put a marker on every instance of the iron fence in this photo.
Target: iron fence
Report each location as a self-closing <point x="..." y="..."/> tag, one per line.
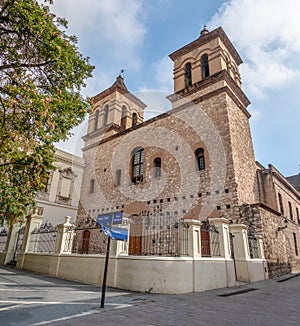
<point x="19" y="243"/>
<point x="43" y="239"/>
<point x="3" y="238"/>
<point x="158" y="235"/>
<point x="210" y="241"/>
<point x="88" y="238"/>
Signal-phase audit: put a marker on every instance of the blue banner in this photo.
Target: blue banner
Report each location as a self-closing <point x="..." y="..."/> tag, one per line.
<point x="119" y="234"/>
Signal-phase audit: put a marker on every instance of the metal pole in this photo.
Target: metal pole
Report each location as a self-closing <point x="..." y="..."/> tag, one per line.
<point x="105" y="274"/>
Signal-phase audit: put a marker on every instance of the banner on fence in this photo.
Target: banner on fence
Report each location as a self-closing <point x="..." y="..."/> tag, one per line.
<point x="115" y="233"/>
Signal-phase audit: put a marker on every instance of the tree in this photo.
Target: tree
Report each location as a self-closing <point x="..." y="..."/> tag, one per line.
<point x="41" y="76"/>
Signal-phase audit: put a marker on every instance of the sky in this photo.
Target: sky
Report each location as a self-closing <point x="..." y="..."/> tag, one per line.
<point x="138" y="36"/>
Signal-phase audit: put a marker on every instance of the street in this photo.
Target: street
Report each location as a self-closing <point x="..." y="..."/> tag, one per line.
<point x="32" y="299"/>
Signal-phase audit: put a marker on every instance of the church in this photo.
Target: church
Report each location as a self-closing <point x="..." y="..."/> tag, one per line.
<point x="191" y="169"/>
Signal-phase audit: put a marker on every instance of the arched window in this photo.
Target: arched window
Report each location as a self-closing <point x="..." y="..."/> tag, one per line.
<point x="118" y="177"/>
<point x="157" y="167"/>
<point x="205" y="66"/>
<point x="96" y="120"/>
<point x="188" y="74"/>
<point x="199" y="154"/>
<point x="134" y="119"/>
<point x="92" y="186"/>
<point x="106" y="109"/>
<point x="137" y="165"/>
<point x="123" y="117"/>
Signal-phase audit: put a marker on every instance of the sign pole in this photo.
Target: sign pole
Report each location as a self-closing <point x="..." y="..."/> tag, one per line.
<point x="105" y="274"/>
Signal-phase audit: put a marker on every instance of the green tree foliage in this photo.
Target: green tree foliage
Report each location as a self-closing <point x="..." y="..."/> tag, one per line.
<point x="41" y="75"/>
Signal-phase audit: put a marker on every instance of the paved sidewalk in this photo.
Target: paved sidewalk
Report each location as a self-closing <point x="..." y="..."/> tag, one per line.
<point x="31" y="299"/>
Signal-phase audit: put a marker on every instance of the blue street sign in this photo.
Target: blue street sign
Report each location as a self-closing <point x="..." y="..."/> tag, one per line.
<point x="110" y="218"/>
<point x="117" y="217"/>
<point x="104" y="219"/>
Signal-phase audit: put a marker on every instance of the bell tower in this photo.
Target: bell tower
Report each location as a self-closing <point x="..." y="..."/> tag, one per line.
<point x="114" y="110"/>
<point x="206" y="73"/>
<point x="208" y="55"/>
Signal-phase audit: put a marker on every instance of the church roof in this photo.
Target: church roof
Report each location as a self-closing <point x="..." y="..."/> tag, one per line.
<point x="295" y="181"/>
<point x="206" y="37"/>
<point x="118" y="86"/>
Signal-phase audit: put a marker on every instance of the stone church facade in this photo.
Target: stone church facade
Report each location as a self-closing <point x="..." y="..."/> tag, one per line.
<point x="194" y="162"/>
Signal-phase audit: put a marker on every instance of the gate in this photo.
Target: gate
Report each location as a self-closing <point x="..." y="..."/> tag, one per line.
<point x="3" y="238"/>
<point x="210" y="242"/>
<point x="19" y="243"/>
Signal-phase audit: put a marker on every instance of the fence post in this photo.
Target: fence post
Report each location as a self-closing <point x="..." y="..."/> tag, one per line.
<point x="32" y="221"/>
<point x="194" y="239"/>
<point x="121" y="247"/>
<point x="221" y="224"/>
<point x="64" y="237"/>
<point x="11" y="243"/>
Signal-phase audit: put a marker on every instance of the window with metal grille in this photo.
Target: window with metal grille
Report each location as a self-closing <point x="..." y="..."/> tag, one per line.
<point x="138" y="165"/>
<point x="199" y="154"/>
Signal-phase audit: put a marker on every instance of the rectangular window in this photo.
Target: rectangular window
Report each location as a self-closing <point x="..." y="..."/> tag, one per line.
<point x="297" y="214"/>
<point x="280" y="204"/>
<point x="295" y="243"/>
<point x="291" y="211"/>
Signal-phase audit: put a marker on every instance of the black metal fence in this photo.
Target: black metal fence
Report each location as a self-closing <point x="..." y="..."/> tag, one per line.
<point x="210" y="241"/>
<point x="3" y="238"/>
<point x="19" y="242"/>
<point x="43" y="239"/>
<point x="89" y="238"/>
<point x="161" y="235"/>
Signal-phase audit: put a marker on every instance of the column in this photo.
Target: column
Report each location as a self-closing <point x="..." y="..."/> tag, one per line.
<point x="240" y="241"/>
<point x="32" y="221"/>
<point x="194" y="238"/>
<point x="222" y="226"/>
<point x="65" y="234"/>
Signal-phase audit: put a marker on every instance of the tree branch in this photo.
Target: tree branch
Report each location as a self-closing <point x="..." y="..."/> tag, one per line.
<point x="26" y="65"/>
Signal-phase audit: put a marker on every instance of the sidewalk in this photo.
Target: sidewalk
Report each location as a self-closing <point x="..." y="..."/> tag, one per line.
<point x="271" y="302"/>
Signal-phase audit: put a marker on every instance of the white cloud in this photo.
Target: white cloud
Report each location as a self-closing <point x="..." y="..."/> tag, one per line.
<point x="163" y="70"/>
<point x="267" y="34"/>
<point x="114" y="27"/>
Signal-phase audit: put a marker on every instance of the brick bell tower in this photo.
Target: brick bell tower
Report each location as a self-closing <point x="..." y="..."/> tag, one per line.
<point x="206" y="72"/>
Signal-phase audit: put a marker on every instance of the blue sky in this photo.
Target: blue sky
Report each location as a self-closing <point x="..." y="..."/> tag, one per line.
<point x="138" y="36"/>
